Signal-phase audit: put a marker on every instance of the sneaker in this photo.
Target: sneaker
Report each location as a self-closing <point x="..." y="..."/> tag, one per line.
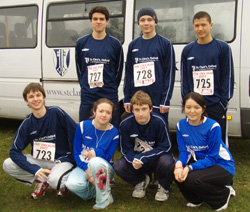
<point x="226" y="205"/>
<point x="105" y="204"/>
<point x="162" y="194"/>
<point x="232" y="191"/>
<point x="40" y="189"/>
<point x="192" y="205"/>
<point x="63" y="192"/>
<point x="140" y="188"/>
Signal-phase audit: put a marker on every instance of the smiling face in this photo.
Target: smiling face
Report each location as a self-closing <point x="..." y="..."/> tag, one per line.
<point x="193" y="112"/>
<point x="142" y="113"/>
<point x="103" y="113"/>
<point x="35" y="100"/>
<point x="147" y="25"/>
<point x="99" y="22"/>
<point x="202" y="28"/>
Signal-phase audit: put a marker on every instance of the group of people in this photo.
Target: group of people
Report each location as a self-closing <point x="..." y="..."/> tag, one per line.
<point x="79" y="158"/>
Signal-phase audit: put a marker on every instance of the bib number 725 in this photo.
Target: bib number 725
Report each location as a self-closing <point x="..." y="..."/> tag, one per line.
<point x="203" y="83"/>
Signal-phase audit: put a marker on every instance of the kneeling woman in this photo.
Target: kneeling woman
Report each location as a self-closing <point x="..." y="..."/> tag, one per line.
<point x="94" y="145"/>
<point x="205" y="166"/>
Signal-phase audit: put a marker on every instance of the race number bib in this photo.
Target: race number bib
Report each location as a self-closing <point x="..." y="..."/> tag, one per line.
<point x="83" y="156"/>
<point x="144" y="74"/>
<point x="44" y="151"/>
<point x="95" y="76"/>
<point x="141" y="146"/>
<point x="203" y="82"/>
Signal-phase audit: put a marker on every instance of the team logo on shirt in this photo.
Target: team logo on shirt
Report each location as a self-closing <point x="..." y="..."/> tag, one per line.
<point x="61" y="60"/>
<point x="86" y="60"/>
<point x="136" y="59"/>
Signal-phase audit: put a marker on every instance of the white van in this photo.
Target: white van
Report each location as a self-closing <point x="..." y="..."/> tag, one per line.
<point x="37" y="39"/>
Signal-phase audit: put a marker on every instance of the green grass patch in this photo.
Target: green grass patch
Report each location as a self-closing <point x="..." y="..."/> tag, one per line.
<point x="15" y="196"/>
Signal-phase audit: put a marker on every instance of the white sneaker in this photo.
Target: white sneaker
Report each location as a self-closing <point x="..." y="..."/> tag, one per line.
<point x="162" y="194"/>
<point x="192" y="205"/>
<point x="232" y="191"/>
<point x="140" y="188"/>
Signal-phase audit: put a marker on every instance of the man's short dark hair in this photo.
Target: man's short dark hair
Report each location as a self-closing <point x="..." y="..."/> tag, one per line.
<point x="202" y="14"/>
<point x="99" y="9"/>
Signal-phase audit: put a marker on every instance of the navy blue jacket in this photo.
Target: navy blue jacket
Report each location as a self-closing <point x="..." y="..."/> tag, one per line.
<point x="109" y="52"/>
<point x="155" y="134"/>
<point x="215" y="56"/>
<point x="55" y="127"/>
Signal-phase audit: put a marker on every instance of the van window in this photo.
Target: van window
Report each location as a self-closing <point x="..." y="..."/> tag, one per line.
<point x="18" y="27"/>
<point x="66" y="22"/>
<point x="175" y="18"/>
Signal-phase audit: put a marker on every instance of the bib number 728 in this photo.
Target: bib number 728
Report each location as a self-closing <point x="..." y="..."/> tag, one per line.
<point x="144" y="74"/>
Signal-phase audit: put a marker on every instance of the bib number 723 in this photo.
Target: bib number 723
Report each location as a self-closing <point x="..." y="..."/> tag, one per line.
<point x="44" y="151"/>
<point x="42" y="154"/>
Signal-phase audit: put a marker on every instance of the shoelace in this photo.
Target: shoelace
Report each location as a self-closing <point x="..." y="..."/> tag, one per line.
<point x="39" y="186"/>
<point x="141" y="186"/>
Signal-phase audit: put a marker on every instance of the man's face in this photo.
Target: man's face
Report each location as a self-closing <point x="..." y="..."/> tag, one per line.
<point x="35" y="100"/>
<point x="99" y="22"/>
<point x="147" y="24"/>
<point x="202" y="28"/>
<point x="142" y="113"/>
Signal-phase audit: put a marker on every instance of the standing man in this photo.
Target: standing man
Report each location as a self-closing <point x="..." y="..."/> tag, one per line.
<point x="146" y="148"/>
<point x="99" y="63"/>
<point x="50" y="132"/>
<point x="207" y="68"/>
<point x="150" y="65"/>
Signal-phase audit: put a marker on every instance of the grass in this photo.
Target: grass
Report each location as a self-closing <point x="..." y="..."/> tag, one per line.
<point x="15" y="196"/>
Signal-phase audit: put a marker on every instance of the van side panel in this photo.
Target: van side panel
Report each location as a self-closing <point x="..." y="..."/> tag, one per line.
<point x="21" y="56"/>
<point x="245" y="72"/>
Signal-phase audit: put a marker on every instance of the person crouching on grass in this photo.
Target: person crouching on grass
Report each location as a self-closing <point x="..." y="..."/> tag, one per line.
<point x="146" y="148"/>
<point x="94" y="145"/>
<point x="50" y="132"/>
<point x="205" y="166"/>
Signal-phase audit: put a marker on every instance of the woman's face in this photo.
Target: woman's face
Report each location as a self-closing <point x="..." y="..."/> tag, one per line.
<point x="103" y="113"/>
<point x="193" y="112"/>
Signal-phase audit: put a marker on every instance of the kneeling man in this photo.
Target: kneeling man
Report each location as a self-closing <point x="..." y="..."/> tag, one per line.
<point x="50" y="132"/>
<point x="146" y="148"/>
